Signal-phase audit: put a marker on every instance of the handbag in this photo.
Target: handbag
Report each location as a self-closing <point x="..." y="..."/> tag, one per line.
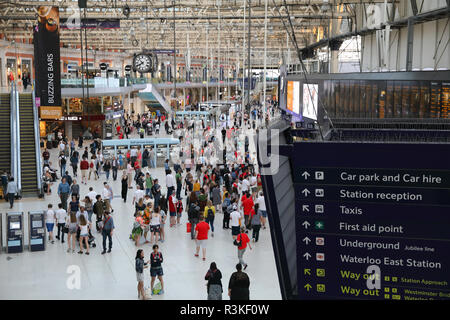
<point x="65" y="229"/>
<point x="237" y="243"/>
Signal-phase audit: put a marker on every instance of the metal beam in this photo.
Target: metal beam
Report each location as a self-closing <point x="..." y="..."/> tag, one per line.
<point x="409" y="45"/>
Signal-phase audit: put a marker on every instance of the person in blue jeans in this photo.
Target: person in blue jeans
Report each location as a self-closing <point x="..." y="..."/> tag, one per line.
<point x="62" y="163"/>
<point x="209" y="214"/>
<point x="107" y="231"/>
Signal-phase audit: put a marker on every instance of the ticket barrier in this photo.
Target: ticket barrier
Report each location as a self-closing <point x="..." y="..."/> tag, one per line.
<point x="14" y="232"/>
<point x="37" y="236"/>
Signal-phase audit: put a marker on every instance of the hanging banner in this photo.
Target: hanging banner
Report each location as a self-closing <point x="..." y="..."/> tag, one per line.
<point x="221" y="74"/>
<point x="205" y="75"/>
<point x="169" y="73"/>
<point x="188" y="76"/>
<point x="47" y="57"/>
<point x="92" y="24"/>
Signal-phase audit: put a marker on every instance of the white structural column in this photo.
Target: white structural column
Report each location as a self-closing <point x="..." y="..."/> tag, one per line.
<point x="243" y="70"/>
<point x="218" y="54"/>
<point x="265" y="58"/>
<point x="207" y="64"/>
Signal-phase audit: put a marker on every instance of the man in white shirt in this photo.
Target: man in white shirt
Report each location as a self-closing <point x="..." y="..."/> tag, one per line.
<point x="262" y="207"/>
<point x="61" y="216"/>
<point x="62" y="146"/>
<point x="92" y="194"/>
<point x="133" y="156"/>
<point x="235" y="218"/>
<point x="138" y="194"/>
<point x="170" y="183"/>
<point x="187" y="164"/>
<point x="245" y="185"/>
<point x="107" y="196"/>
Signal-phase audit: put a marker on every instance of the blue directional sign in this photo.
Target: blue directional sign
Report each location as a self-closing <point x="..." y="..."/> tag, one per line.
<point x="372" y="220"/>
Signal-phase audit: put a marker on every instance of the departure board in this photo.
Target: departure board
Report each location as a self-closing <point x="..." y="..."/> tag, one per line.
<point x="356" y="95"/>
<point x="435" y="100"/>
<point x="406" y="95"/>
<point x="445" y="100"/>
<point x="415" y="99"/>
<point x="397" y="100"/>
<point x="389" y="99"/>
<point x="372" y="221"/>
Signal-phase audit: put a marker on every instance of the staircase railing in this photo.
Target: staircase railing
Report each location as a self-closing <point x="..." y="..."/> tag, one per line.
<point x="37" y="144"/>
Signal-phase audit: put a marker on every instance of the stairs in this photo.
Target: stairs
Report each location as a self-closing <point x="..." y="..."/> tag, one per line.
<point x="5" y="132"/>
<point x="27" y="146"/>
<point x="77" y="129"/>
<point x="151" y="96"/>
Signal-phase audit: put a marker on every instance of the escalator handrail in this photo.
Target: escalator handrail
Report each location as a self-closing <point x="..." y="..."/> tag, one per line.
<point x="13" y="136"/>
<point x="37" y="143"/>
<point x="18" y="159"/>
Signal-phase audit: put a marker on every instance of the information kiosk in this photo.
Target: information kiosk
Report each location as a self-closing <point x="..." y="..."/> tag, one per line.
<point x="14" y="233"/>
<point x="37" y="231"/>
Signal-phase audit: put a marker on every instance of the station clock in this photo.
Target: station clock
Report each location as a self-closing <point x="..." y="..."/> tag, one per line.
<point x="143" y="63"/>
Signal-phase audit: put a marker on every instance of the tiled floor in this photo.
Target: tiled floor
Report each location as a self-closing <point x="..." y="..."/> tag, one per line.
<point x="45" y="275"/>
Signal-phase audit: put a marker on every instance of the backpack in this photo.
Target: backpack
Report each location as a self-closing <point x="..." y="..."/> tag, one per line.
<point x="210" y="214"/>
<point x="238" y="243"/>
<point x="63" y="160"/>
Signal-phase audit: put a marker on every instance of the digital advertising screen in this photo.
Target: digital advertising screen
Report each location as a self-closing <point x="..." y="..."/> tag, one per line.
<point x="310" y="100"/>
<point x="293" y="97"/>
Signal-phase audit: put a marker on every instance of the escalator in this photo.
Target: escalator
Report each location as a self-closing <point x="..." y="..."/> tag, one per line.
<point x="5" y="132"/>
<point x="28" y="167"/>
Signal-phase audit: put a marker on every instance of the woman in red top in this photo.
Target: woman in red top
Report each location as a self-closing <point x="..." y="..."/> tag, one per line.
<point x="172" y="210"/>
<point x="244" y="240"/>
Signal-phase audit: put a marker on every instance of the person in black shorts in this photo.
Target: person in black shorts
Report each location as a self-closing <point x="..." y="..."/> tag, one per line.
<point x="156" y="270"/>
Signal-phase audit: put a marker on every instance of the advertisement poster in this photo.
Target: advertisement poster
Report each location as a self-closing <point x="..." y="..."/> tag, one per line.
<point x="293" y="96"/>
<point x="47" y="57"/>
<point x="310" y="100"/>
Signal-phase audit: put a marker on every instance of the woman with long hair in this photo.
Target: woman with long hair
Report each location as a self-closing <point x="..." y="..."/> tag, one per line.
<point x="140" y="266"/>
<point x="71" y="235"/>
<point x="214" y="286"/>
<point x="163" y="213"/>
<point x="84" y="234"/>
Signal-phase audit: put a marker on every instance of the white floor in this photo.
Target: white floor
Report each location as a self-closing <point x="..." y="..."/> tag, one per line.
<point x="44" y="275"/>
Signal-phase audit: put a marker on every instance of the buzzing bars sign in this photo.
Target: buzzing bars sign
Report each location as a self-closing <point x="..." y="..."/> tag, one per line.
<point x="47" y="56"/>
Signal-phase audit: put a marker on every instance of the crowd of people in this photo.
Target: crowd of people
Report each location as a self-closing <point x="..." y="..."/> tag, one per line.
<point x="204" y="179"/>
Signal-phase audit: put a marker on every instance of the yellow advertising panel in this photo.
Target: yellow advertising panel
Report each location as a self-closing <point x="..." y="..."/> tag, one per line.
<point x="51" y="113"/>
<point x="290" y="95"/>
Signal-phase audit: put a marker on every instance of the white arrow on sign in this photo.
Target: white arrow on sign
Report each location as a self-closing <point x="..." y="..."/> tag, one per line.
<point x="306" y="224"/>
<point x="305" y="207"/>
<point x="307" y="256"/>
<point x="306" y="240"/>
<point x="306" y="192"/>
<point x="305" y="175"/>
